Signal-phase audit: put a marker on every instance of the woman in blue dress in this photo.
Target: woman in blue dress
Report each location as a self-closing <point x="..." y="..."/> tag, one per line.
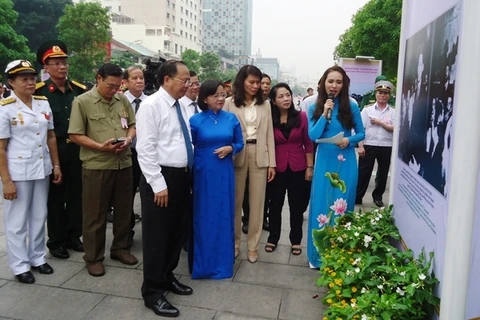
<point x="327" y="203"/>
<point x="216" y="136"/>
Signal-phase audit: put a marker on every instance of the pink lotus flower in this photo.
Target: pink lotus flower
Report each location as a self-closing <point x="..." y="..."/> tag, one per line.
<point x="323" y="219"/>
<point x="341" y="158"/>
<point x="339" y="207"/>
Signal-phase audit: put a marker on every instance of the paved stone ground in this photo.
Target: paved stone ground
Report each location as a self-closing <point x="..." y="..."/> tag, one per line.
<point x="278" y="286"/>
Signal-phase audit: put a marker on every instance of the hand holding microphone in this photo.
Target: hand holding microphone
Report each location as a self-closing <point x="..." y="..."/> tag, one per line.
<point x="329" y="106"/>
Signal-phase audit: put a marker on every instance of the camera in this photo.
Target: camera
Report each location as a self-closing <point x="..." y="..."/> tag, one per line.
<point x="150" y="75"/>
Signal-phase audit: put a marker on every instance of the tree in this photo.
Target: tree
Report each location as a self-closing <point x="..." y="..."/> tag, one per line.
<point x="375" y="31"/>
<point x="34" y="19"/>
<point x="228" y="74"/>
<point x="124" y="59"/>
<point x="210" y="66"/>
<point x="192" y="60"/>
<point x="12" y="45"/>
<point x="86" y="29"/>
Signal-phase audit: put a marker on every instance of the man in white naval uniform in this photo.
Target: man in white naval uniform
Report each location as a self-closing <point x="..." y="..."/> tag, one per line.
<point x="27" y="149"/>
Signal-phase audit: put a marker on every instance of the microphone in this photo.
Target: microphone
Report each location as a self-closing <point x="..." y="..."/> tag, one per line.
<point x="329" y="112"/>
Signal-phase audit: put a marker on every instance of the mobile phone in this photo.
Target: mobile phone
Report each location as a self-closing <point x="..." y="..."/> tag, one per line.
<point x="118" y="140"/>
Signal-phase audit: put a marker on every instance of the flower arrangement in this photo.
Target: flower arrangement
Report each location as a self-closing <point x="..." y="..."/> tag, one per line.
<point x="367" y="276"/>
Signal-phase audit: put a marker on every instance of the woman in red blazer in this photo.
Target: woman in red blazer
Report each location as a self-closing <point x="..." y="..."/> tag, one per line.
<point x="294" y="158"/>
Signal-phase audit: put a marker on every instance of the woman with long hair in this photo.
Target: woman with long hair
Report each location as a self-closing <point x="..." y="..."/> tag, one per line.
<point x="257" y="159"/>
<point x="294" y="157"/>
<point x="334" y="113"/>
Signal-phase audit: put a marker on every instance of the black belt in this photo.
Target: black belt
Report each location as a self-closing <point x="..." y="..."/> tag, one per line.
<point x="182" y="169"/>
<point x="251" y="141"/>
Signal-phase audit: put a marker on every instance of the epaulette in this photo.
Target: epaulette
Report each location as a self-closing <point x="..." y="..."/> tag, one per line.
<point x="40" y="98"/>
<point x="4" y="102"/>
<point x="39" y="85"/>
<point x="78" y="84"/>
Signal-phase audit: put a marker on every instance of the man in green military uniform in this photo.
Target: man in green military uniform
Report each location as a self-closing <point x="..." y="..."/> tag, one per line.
<point x="369" y="97"/>
<point x="65" y="200"/>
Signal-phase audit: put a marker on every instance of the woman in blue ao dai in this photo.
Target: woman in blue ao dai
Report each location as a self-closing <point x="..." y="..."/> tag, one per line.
<point x="339" y="158"/>
<point x="216" y="136"/>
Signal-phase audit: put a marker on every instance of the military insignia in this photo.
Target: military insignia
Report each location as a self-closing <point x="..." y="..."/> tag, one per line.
<point x="46" y="115"/>
<point x="124" y="114"/>
<point x="39" y="85"/>
<point x="78" y="84"/>
<point x="25" y="64"/>
<point x="9" y="100"/>
<point x="20" y="118"/>
<point x="14" y="121"/>
<point x="51" y="87"/>
<point x="40" y="98"/>
<point x="56" y="49"/>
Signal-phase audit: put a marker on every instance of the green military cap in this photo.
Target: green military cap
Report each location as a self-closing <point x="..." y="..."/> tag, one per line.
<point x="51" y="49"/>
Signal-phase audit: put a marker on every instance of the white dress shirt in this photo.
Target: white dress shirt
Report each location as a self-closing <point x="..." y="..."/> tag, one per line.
<point x="189" y="106"/>
<point x="160" y="139"/>
<point x="308" y="102"/>
<point x="27" y="133"/>
<point x="251" y="120"/>
<point x="376" y="135"/>
<point x="131" y="98"/>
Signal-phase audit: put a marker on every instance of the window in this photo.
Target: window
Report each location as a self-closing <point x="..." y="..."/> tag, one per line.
<point x="190" y="15"/>
<point x="173" y="5"/>
<point x="186" y="12"/>
<point x="168" y="3"/>
<point x="119" y="8"/>
<point x="194" y="28"/>
<point x="195" y="18"/>
<point x="168" y="15"/>
<point x="108" y="8"/>
<point x="181" y="32"/>
<point x="191" y="26"/>
<point x="181" y="21"/>
<point x="176" y="48"/>
<point x="173" y="17"/>
<point x="181" y="9"/>
<point x="159" y="32"/>
<point x="181" y="49"/>
<point x="195" y="39"/>
<point x="150" y="32"/>
<point x="190" y="36"/>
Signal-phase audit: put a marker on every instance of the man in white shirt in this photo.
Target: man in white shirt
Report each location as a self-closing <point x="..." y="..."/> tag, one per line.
<point x="135" y="83"/>
<point x="165" y="154"/>
<point x="378" y="120"/>
<point x="189" y="101"/>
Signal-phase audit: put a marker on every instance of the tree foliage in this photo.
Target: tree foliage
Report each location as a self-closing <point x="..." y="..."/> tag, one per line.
<point x="85" y="28"/>
<point x="375" y="31"/>
<point x="192" y="60"/>
<point x="12" y="45"/>
<point x="35" y="20"/>
<point x="124" y="59"/>
<point x="210" y="66"/>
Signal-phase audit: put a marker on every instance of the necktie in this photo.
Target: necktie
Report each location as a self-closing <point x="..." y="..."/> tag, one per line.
<point x="137" y="104"/>
<point x="186" y="135"/>
<point x="195" y="107"/>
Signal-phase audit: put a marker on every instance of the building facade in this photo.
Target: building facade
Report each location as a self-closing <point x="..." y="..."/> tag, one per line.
<point x="168" y="27"/>
<point x="227" y="26"/>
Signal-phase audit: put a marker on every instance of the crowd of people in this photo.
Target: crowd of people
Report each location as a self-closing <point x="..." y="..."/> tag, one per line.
<point x="205" y="157"/>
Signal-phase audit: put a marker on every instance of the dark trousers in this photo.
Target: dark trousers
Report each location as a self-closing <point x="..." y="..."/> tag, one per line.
<point x="100" y="189"/>
<point x="164" y="231"/>
<point x="246" y="204"/>
<point x="365" y="168"/>
<point x="64" y="218"/>
<point x="296" y="185"/>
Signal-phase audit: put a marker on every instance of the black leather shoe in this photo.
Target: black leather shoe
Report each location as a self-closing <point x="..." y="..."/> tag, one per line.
<point x="163" y="308"/>
<point x="44" y="269"/>
<point x="245" y="228"/>
<point x="379" y="203"/>
<point x="60" y="253"/>
<point x="76" y="245"/>
<point x="26" y="277"/>
<point x="358" y="201"/>
<point x="180" y="289"/>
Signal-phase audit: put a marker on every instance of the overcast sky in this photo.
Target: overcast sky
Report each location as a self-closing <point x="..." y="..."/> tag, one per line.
<point x="302" y="34"/>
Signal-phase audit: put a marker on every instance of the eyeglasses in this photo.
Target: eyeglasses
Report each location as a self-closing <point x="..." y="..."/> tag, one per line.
<point x="58" y="64"/>
<point x="186" y="83"/>
<point x="220" y="96"/>
<point x="196" y="84"/>
<point x="112" y="86"/>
